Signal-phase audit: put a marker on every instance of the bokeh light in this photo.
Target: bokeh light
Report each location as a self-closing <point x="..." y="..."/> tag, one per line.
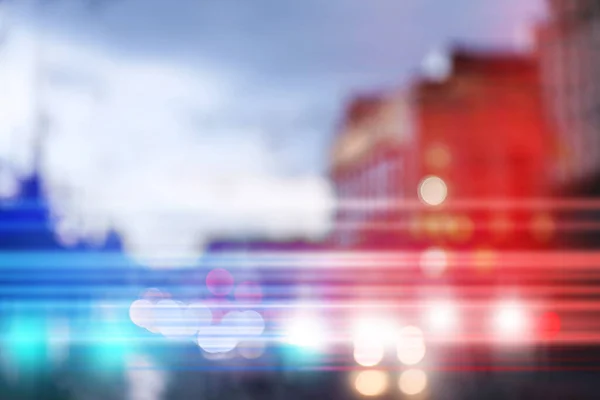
<point x="434" y="261"/>
<point x="412" y="382"/>
<point x="484" y="259"/>
<point x="371" y="383"/>
<point x="171" y="318"/>
<point x="433" y="225"/>
<point x="248" y="293"/>
<point x="219" y="307"/>
<point x="214" y="339"/>
<point x="543" y="227"/>
<point x="235" y="327"/>
<point x="219" y="282"/>
<point x="251" y="349"/>
<point x="511" y="321"/>
<point x="549" y="325"/>
<point x="433" y="191"/>
<point x="377" y="329"/>
<point x="141" y="313"/>
<point x="442" y="317"/>
<point x="196" y="316"/>
<point x="168" y="317"/>
<point x="370" y="337"/>
<point x="306" y="332"/>
<point x="437" y="65"/>
<point x="410" y="347"/>
<point x="244" y="323"/>
<point x="367" y="352"/>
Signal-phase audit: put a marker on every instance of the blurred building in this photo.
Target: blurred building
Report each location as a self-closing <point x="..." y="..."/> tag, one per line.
<point x="569" y="47"/>
<point x="441" y="175"/>
<point x="371" y="164"/>
<point x="478" y="135"/>
<point x="47" y="293"/>
<point x="483" y="141"/>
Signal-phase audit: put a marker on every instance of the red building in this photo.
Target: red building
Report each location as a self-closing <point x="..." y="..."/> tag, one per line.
<point x="484" y="146"/>
<point x="437" y="187"/>
<point x="457" y="159"/>
<point x="469" y="146"/>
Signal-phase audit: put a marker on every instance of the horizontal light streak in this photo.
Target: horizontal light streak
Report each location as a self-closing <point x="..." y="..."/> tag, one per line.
<point x="316" y="259"/>
<point x="470" y="204"/>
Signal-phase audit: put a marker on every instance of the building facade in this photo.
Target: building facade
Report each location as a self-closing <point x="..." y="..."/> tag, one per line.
<point x="569" y="51"/>
<point x="371" y="163"/>
<point x="484" y="145"/>
<point x="404" y="166"/>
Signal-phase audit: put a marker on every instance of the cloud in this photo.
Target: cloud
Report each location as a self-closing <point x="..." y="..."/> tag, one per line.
<point x="125" y="153"/>
<point x="168" y="227"/>
<point x="17" y="68"/>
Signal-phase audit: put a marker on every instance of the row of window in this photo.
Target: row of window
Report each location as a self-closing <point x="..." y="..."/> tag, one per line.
<point x="570" y="69"/>
<point x="366" y="192"/>
<point x="379" y="180"/>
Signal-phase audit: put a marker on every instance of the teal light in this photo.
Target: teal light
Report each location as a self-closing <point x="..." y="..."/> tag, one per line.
<point x="27" y="342"/>
<point x="110" y="346"/>
<point x="300" y="356"/>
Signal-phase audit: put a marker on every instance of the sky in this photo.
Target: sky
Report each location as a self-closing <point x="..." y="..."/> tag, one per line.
<point x="161" y="104"/>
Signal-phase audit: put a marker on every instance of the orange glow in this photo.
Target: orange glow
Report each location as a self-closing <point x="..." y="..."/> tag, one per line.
<point x="368" y="353"/>
<point x="484" y="259"/>
<point x="411" y="346"/>
<point x="451" y="226"/>
<point x="464" y="228"/>
<point x="438" y="157"/>
<point x="412" y="382"/>
<point x="370" y="338"/>
<point x="542" y="227"/>
<point x="371" y="383"/>
<point x="433" y="225"/>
